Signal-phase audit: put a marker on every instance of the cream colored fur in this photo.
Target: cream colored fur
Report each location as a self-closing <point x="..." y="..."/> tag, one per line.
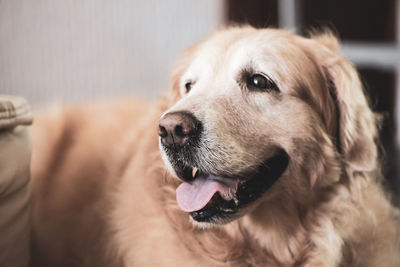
<point x="102" y="195"/>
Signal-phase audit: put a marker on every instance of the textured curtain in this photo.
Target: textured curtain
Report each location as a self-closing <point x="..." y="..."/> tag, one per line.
<point x="79" y="50"/>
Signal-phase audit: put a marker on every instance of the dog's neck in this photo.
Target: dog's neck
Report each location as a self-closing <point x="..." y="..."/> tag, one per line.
<point x="277" y="227"/>
<point x="295" y="233"/>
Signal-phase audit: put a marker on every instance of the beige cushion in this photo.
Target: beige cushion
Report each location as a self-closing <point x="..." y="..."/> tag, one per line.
<point x="14" y="179"/>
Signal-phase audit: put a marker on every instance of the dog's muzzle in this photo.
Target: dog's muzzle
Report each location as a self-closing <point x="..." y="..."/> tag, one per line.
<point x="212" y="197"/>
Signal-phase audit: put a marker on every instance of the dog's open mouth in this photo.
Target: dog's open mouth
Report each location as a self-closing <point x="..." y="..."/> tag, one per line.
<point x="211" y="198"/>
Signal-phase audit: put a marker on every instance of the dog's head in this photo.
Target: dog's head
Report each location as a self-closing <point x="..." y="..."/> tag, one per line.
<point x="262" y="113"/>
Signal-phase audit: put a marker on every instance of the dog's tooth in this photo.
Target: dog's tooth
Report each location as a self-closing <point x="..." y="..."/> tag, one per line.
<point x="194" y="171"/>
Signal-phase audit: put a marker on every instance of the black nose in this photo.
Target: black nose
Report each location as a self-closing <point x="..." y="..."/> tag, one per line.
<point x="178" y="128"/>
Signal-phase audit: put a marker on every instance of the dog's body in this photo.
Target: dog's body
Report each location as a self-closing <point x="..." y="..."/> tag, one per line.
<point x="102" y="196"/>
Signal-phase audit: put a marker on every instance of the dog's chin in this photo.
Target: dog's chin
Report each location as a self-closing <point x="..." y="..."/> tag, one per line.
<point x="249" y="190"/>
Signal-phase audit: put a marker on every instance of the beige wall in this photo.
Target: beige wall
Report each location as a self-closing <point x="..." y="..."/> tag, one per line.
<point x="77" y="50"/>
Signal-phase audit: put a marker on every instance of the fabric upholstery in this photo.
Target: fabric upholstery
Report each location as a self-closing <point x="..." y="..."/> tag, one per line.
<point x="14" y="179"/>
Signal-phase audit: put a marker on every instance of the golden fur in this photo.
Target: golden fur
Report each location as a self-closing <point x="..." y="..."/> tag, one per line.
<point x="102" y="195"/>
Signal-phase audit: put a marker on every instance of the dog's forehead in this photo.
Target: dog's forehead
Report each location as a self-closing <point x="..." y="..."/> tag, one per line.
<point x="229" y="52"/>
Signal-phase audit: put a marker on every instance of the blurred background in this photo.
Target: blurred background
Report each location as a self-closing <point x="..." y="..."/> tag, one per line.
<point x="82" y="50"/>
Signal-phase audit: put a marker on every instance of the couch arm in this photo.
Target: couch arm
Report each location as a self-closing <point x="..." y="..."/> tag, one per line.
<point x="15" y="152"/>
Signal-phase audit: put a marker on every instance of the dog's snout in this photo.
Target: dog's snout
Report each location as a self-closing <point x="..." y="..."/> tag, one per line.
<point x="177" y="128"/>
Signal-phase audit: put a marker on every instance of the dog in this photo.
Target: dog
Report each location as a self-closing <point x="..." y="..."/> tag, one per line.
<point x="262" y="153"/>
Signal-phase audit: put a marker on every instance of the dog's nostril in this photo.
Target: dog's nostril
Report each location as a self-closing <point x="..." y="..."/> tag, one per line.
<point x="179" y="131"/>
<point x="162" y="132"/>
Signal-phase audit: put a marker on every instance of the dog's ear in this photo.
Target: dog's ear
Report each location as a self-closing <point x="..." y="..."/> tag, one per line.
<point x="179" y="69"/>
<point x="357" y="128"/>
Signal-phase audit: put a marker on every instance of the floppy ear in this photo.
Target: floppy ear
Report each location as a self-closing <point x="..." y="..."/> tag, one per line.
<point x="357" y="123"/>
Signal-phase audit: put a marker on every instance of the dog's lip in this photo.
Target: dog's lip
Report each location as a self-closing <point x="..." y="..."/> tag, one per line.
<point x="189" y="173"/>
<point x="248" y="190"/>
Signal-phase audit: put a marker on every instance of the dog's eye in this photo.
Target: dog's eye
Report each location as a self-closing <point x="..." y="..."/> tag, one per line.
<point x="188" y="86"/>
<point x="260" y="83"/>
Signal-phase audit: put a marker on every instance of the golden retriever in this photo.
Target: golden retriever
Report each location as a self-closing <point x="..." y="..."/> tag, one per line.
<point x="268" y="158"/>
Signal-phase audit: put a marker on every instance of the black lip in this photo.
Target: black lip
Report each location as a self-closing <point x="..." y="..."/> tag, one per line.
<point x="183" y="171"/>
<point x="268" y="173"/>
<point x="182" y="158"/>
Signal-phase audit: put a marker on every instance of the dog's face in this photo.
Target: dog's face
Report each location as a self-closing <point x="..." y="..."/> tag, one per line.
<point x="260" y="114"/>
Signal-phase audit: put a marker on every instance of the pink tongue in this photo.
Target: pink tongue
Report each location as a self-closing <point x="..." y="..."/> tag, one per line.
<point x="195" y="196"/>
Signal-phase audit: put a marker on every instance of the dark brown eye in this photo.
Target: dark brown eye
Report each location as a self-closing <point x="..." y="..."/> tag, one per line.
<point x="260" y="83"/>
<point x="188" y="86"/>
